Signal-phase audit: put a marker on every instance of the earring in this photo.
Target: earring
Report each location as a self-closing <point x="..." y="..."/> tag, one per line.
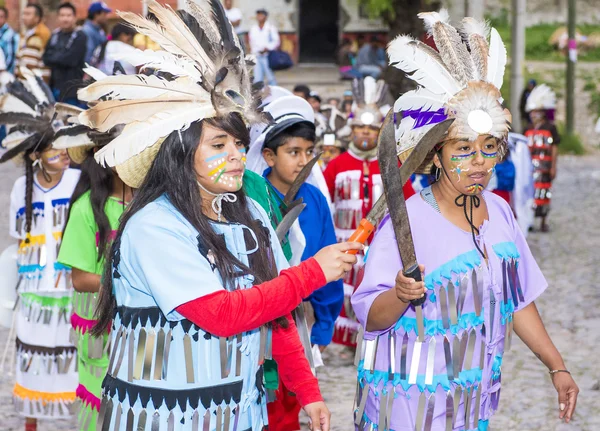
<point x="438" y="174"/>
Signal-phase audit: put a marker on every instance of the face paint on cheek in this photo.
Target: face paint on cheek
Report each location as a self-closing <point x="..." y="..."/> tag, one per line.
<point x="457" y="161"/>
<point x="243" y="151"/>
<point x="365" y="144"/>
<point x="53" y="158"/>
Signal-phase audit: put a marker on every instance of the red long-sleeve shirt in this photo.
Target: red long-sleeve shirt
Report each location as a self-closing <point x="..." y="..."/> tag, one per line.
<point x="251" y="308"/>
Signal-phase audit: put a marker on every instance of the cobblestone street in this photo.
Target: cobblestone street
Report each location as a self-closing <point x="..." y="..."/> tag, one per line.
<point x="570" y="307"/>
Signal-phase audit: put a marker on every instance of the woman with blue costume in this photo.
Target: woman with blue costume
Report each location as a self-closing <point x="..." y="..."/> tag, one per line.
<point x="191" y="289"/>
<point x="438" y="367"/>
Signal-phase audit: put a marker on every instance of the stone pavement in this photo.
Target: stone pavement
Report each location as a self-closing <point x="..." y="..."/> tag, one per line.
<point x="568" y="257"/>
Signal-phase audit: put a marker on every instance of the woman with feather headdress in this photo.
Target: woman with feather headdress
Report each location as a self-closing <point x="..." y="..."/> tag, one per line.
<point x="438" y="366"/>
<point x="191" y="289"/>
<point x="543" y="144"/>
<point x="46" y="376"/>
<point x="96" y="205"/>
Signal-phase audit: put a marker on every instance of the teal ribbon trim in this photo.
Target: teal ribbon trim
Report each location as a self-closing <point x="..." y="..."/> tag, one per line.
<point x="506" y="311"/>
<point x="506" y="250"/>
<point x="24" y="269"/>
<point x="459" y="265"/>
<point x="496" y="366"/>
<point x="472" y="376"/>
<point x="436" y="327"/>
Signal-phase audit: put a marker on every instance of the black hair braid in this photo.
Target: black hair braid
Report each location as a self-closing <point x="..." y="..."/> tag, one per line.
<point x="28" y="194"/>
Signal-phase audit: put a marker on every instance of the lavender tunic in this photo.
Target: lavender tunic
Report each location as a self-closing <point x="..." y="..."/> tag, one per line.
<point x="468" y="321"/>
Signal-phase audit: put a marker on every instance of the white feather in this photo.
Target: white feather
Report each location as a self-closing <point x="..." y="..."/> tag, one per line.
<point x="10" y="103"/>
<point x="421" y="68"/>
<point x="430" y="19"/>
<point x="95" y="74"/>
<point x="33" y="86"/>
<point x="541" y="97"/>
<point x="138" y="136"/>
<point x="474" y="26"/>
<point x="15" y="138"/>
<point x="72" y="141"/>
<point x="497" y="60"/>
<point x="419" y="98"/>
<point x="138" y="87"/>
<point x="370" y="90"/>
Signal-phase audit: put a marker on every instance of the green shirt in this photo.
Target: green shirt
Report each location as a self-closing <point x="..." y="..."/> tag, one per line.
<point x="257" y="188"/>
<point x="79" y="248"/>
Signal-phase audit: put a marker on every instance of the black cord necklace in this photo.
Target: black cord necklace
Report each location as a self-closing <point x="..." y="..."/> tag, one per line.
<point x="461" y="201"/>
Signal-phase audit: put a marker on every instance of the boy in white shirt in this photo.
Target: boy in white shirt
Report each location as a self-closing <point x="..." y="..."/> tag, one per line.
<point x="264" y="37"/>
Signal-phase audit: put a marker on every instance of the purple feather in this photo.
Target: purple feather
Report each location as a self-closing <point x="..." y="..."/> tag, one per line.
<point x="424" y="118"/>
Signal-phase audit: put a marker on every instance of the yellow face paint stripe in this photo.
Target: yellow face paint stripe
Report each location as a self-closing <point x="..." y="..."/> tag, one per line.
<point x="217" y="169"/>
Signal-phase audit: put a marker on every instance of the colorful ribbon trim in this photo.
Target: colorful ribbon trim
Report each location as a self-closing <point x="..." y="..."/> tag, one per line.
<point x="46" y="301"/>
<point x="81" y="324"/>
<point x="87" y="397"/>
<point x="46" y="397"/>
<point x="459" y="265"/>
<point x="506" y="250"/>
<point x="436" y="327"/>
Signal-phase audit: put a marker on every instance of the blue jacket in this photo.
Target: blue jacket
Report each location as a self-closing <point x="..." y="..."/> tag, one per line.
<point x="95" y="38"/>
<point x="317" y="226"/>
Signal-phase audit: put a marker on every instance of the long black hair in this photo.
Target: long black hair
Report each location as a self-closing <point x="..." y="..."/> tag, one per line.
<point x="173" y="174"/>
<point x="99" y="181"/>
<point x="36" y="143"/>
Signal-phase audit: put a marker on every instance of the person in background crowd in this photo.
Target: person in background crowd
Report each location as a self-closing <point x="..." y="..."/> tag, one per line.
<point x="264" y="37"/>
<point x="525" y="118"/>
<point x="331" y="147"/>
<point x="368" y="61"/>
<point x="94" y="28"/>
<point x="347" y="96"/>
<point x="320" y="121"/>
<point x="33" y="42"/>
<point x="65" y="54"/>
<point x="116" y="49"/>
<point x="333" y="101"/>
<point x="302" y="90"/>
<point x="543" y="144"/>
<point x="346" y="59"/>
<point x="234" y="15"/>
<point x="9" y="41"/>
<point x="346" y="107"/>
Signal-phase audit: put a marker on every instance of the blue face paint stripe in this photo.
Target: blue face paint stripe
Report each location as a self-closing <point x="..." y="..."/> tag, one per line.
<point x="462" y="156"/>
<point x="218" y="156"/>
<point x="489" y="155"/>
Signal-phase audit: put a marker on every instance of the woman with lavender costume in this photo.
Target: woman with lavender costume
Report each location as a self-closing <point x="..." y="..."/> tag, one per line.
<point x="442" y="371"/>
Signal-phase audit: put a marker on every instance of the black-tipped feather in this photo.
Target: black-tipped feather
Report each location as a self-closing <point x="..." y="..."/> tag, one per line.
<point x="36" y="123"/>
<point x="27" y="144"/>
<point x="198" y="32"/>
<point x="17" y="89"/>
<point x="224" y="26"/>
<point x="75" y="130"/>
<point x="46" y="89"/>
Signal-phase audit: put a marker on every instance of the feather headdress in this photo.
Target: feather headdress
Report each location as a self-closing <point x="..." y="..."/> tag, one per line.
<point x="337" y="128"/>
<point x="461" y="80"/>
<point x="28" y="110"/>
<point x="200" y="73"/>
<point x="369" y="98"/>
<point x="541" y="98"/>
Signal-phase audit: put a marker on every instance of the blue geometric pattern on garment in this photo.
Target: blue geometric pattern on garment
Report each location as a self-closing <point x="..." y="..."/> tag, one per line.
<point x="506" y="250"/>
<point x="459" y="265"/>
<point x="57" y="202"/>
<point x="436" y="327"/>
